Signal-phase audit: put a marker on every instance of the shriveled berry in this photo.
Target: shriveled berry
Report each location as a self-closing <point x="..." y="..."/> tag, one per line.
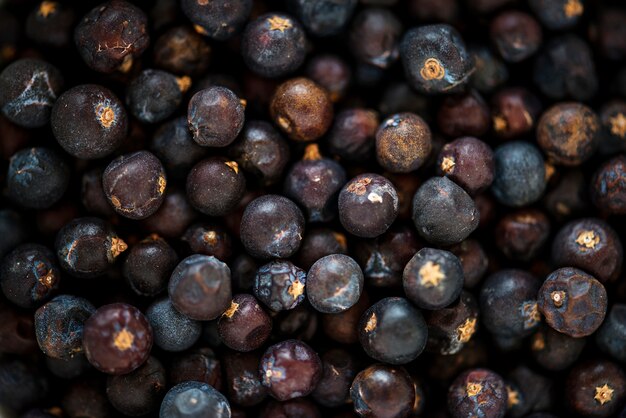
<point x="280" y="285"/>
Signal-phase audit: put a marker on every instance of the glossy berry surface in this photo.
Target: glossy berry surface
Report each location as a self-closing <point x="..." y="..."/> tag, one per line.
<point x="478" y="392"/>
<point x="200" y="287"/>
<point x="379" y="336"/>
<point x="244" y="326"/>
<point x="215" y="186"/>
<point x="381" y="390"/>
<point x="193" y="399"/>
<point x="117" y="338"/>
<point x="334" y="283"/>
<point x="468" y="162"/>
<point x="280" y="285"/>
<point x="290" y="369"/>
<point x="148" y="265"/>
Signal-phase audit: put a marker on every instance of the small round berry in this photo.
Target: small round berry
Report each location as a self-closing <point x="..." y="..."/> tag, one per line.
<point x="194" y="399"/>
<point x="217" y="19"/>
<point x="172" y="330"/>
<point x="403" y="143"/>
<point x="469" y="163"/>
<point x="244" y="326"/>
<point x="280" y="285"/>
<point x="155" y="95"/>
<point x="478" y="392"/>
<point x="334" y="283"/>
<point x="383" y="391"/>
<point x="215" y="116"/>
<point x="596" y="389"/>
<point x="215" y="186"/>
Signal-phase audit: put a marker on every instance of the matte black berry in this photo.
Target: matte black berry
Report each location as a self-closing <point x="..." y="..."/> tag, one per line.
<point x="435" y="59"/>
<point x="219" y="20"/>
<point x="51" y="24"/>
<point x="244" y="326"/>
<point x="200" y="287"/>
<point x="112" y="36"/>
<point x="59" y="326"/>
<point x="117" y="338"/>
<point x="271" y="226"/>
<point x="382" y="390"/>
<point x="290" y="369"/>
<point x="443" y="212"/>
<point x="215" y="186"/>
<point x="215" y="116"/>
<point x="314" y="182"/>
<point x="380" y="335"/>
<point x="433" y="278"/>
<point x="596" y="388"/>
<point x="509" y="305"/>
<point x="89" y="121"/>
<point x="368" y="205"/>
<point x="87" y="247"/>
<point x="478" y="392"/>
<point x="172" y="330"/>
<point x="334" y="283"/>
<point x="149" y="264"/>
<point x="468" y="162"/>
<point x="573" y="302"/>
<point x="37" y="178"/>
<point x="139" y="392"/>
<point x="135" y="184"/>
<point x="194" y="400"/>
<point x="374" y="37"/>
<point x="28" y="90"/>
<point x="280" y="285"/>
<point x="155" y="95"/>
<point x="273" y="45"/>
<point x="403" y="143"/>
<point x="520" y="174"/>
<point x="323" y="17"/>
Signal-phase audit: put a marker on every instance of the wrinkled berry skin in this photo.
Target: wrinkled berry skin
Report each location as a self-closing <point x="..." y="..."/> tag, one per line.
<point x="135" y="184"/>
<point x="37" y="178"/>
<point x="273" y="45"/>
<point x="28" y="90"/>
<point x="479" y="393"/>
<point x="280" y="285"/>
<point x="59" y="326"/>
<point x="608" y="186"/>
<point x="596" y="388"/>
<point x="290" y="369"/>
<point x="112" y="35"/>
<point x="219" y="20"/>
<point x="508" y="303"/>
<point x="193" y="399"/>
<point x="117" y="338"/>
<point x="323" y="17"/>
<point x="573" y="302"/>
<point x="215" y="116"/>
<point x="89" y="121"/>
<point x="443" y="212"/>
<point x="200" y="287"/>
<point x="403" y="143"/>
<point x="435" y="59"/>
<point x="383" y="391"/>
<point x="368" y="205"/>
<point x="29" y="275"/>
<point x="380" y="336"/>
<point x="334" y="283"/>
<point x="272" y="227"/>
<point x="589" y="244"/>
<point x="520" y="174"/>
<point x="154" y="95"/>
<point x="611" y="337"/>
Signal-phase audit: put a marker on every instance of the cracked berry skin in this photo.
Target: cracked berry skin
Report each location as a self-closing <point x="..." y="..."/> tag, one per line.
<point x="215" y="186"/>
<point x="435" y="59"/>
<point x="290" y="369"/>
<point x="374" y="36"/>
<point x="611" y="336"/>
<point x="393" y="331"/>
<point x="154" y="95"/>
<point x="383" y="391"/>
<point x="28" y="90"/>
<point x="148" y="266"/>
<point x="135" y="184"/>
<point x="468" y="162"/>
<point x="573" y="302"/>
<point x="117" y="339"/>
<point x="596" y="388"/>
<point x="608" y="186"/>
<point x="215" y="116"/>
<point x="403" y="143"/>
<point x="280" y="285"/>
<point x="508" y="303"/>
<point x="334" y="283"/>
<point x="368" y="205"/>
<point x="37" y="178"/>
<point x="273" y="45"/>
<point x="112" y="36"/>
<point x="89" y="121"/>
<point x="433" y="278"/>
<point x="245" y="326"/>
<point x="242" y="380"/>
<point x="139" y="392"/>
<point x="589" y="244"/>
<point x="520" y="174"/>
<point x="172" y="330"/>
<point x="59" y="326"/>
<point x="29" y="275"/>
<point x="451" y="328"/>
<point x="271" y="227"/>
<point x="443" y="212"/>
<point x="200" y="287"/>
<point x="478" y="392"/>
<point x="87" y="247"/>
<point x="218" y="19"/>
<point x="569" y="133"/>
<point x="193" y="399"/>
